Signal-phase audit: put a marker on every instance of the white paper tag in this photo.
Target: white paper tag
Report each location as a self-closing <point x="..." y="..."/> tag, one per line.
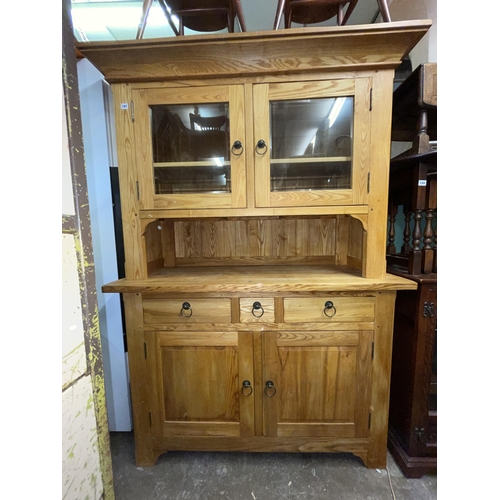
<point x="124" y="105"/>
<point x="422" y="183"/>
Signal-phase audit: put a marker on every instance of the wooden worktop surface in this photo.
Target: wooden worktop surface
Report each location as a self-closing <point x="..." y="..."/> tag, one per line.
<point x="259" y="279"/>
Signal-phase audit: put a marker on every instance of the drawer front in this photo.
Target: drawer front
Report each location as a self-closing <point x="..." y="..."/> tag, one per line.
<point x="159" y="311"/>
<point x="255" y="310"/>
<point x="328" y="309"/>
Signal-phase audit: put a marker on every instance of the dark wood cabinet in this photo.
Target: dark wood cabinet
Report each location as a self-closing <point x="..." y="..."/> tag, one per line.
<point x="412" y="438"/>
<point x="413" y="403"/>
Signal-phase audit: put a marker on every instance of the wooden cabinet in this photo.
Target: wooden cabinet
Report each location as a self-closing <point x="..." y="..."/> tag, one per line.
<point x="307" y="147"/>
<point x="176" y="161"/>
<point x="413" y="186"/>
<point x="413" y="405"/>
<point x="253" y="180"/>
<point x="317" y="384"/>
<point x="198" y="383"/>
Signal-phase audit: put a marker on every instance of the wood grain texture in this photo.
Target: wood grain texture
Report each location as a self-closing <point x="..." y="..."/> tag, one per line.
<point x="218" y="242"/>
<point x="361" y="142"/>
<point x="263" y="279"/>
<point x="302" y="309"/>
<point x="258" y="384"/>
<point x="267" y="310"/>
<point x="144" y="188"/>
<point x="200" y="311"/>
<point x="255" y="212"/>
<point x="168" y="242"/>
<point x="246" y="373"/>
<point x="261" y="131"/>
<point x="138" y="368"/>
<point x="320" y="381"/>
<point x="292" y="251"/>
<point x="135" y="258"/>
<point x="266" y="444"/>
<point x="143" y="100"/>
<point x="238" y="133"/>
<point x="326" y="88"/>
<point x="250" y="141"/>
<point x="306" y="90"/>
<point x="200" y="383"/>
<point x="227" y="328"/>
<point x="376" y="241"/>
<point x="381" y="375"/>
<point x="270" y="373"/>
<point x="296" y="50"/>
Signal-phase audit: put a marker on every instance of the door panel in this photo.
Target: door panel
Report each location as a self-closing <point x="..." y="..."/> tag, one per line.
<point x="184" y="147"/>
<point x="197" y="380"/>
<point x="314" y="140"/>
<point x="202" y="383"/>
<point x="321" y="384"/>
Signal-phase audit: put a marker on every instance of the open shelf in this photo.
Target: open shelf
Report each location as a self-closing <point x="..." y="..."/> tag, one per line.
<point x="262" y="279"/>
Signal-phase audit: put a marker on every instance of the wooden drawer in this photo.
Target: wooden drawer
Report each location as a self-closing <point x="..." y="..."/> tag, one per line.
<point x="264" y="313"/>
<point x="314" y="309"/>
<point x="159" y="311"/>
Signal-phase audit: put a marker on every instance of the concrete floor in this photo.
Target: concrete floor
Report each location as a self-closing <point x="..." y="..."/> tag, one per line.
<point x="259" y="476"/>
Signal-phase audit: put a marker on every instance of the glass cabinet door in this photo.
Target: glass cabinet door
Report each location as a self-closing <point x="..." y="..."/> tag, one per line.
<point x="311" y="143"/>
<point x="191" y="144"/>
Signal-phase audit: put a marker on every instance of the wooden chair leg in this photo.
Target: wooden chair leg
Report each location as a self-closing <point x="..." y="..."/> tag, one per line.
<point x="165" y="10"/>
<point x="239" y="14"/>
<point x="288" y="15"/>
<point x="230" y="18"/>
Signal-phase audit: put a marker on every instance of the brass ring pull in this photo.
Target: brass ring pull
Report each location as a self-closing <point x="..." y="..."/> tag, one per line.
<point x="245" y="386"/>
<point x="186" y="306"/>
<point x="261" y="145"/>
<point x="257" y="306"/>
<point x="237" y="145"/>
<point x="270" y="388"/>
<point x="329" y="307"/>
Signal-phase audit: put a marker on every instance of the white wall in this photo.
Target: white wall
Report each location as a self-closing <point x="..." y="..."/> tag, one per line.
<point x="97" y="163"/>
<point x="406" y="10"/>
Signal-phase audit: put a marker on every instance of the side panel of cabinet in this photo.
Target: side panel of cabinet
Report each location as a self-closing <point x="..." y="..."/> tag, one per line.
<point x="264" y="95"/>
<point x="197" y="380"/>
<point x="320" y="383"/>
<point x="411" y="379"/>
<point x="149" y="198"/>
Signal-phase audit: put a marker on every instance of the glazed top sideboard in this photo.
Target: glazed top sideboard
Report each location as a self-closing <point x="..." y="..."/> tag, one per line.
<point x="253" y="174"/>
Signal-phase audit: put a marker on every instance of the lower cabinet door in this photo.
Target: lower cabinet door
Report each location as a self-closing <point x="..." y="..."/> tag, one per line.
<point x="202" y="383"/>
<point x="317" y="384"/>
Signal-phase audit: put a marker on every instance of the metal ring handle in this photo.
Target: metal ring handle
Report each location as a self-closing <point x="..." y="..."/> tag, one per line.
<point x="270" y="385"/>
<point x="261" y="145"/>
<point x="186" y="306"/>
<point x="237" y="145"/>
<point x="245" y="386"/>
<point x="329" y="306"/>
<point x="257" y="306"/>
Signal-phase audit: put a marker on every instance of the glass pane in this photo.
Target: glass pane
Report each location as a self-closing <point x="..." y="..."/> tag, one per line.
<point x="207" y="179"/>
<point x="191" y="148"/>
<point x="311" y="144"/>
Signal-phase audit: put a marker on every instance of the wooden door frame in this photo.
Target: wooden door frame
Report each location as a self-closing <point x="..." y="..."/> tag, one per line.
<point x="79" y="226"/>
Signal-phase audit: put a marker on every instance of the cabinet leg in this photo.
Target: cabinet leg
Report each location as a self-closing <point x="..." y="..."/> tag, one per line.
<point x="376" y="460"/>
<point x="145" y="457"/>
